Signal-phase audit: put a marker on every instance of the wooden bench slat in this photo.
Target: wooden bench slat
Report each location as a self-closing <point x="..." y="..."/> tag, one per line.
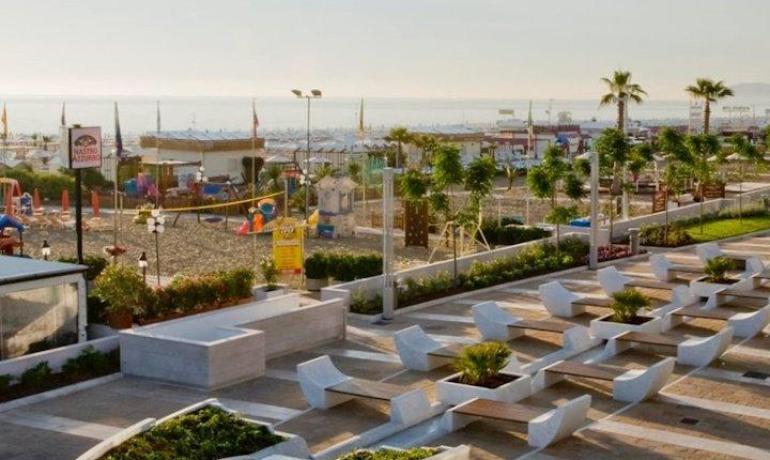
<point x="648" y="338"/>
<point x="687" y="269"/>
<point x="448" y="351"/>
<point x="542" y="325"/>
<point x="497" y="410"/>
<point x="594" y="302"/>
<point x="651" y="284"/>
<point x="591" y="371"/>
<point x="368" y="389"/>
<point x="697" y="312"/>
<point x="745" y="294"/>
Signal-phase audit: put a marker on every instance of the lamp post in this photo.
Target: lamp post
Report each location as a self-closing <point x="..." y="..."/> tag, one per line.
<point x="142" y="262"/>
<point x="46" y="250"/>
<point x="593" y="255"/>
<point x="314" y="94"/>
<point x="156" y="224"/>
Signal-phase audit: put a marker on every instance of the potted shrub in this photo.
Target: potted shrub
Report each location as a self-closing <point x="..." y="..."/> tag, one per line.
<point x="316" y="275"/>
<point x="124" y="294"/>
<point x="481" y="374"/>
<point x="625" y="316"/>
<point x="716" y="277"/>
<point x="271" y="288"/>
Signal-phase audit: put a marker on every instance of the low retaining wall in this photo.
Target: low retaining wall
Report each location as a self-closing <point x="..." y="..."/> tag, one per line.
<point x="55" y="357"/>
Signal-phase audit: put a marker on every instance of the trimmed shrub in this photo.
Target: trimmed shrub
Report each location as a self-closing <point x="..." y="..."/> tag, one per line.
<point x="96" y="265"/>
<point x="481" y="363"/>
<point x="316" y="266"/>
<point x="655" y="235"/>
<point x="415" y="453"/>
<point x="88" y="362"/>
<point x="5" y="382"/>
<point x="122" y="289"/>
<point x="38" y="376"/>
<point x="343" y="266"/>
<point x="626" y="304"/>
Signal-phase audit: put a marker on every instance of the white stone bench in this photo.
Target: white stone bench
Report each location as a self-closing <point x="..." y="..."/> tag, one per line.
<point x="633" y="385"/>
<point x="665" y="270"/>
<point x="744" y="325"/>
<point x="613" y="281"/>
<point x="494" y="323"/>
<point x="325" y="386"/>
<point x="544" y="426"/>
<point x="560" y="301"/>
<point x="696" y="351"/>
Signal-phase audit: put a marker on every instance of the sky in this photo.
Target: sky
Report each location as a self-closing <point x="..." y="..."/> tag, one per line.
<point x="406" y="48"/>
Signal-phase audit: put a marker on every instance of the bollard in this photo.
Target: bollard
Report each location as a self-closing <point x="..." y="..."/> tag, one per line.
<point x="633" y="237"/>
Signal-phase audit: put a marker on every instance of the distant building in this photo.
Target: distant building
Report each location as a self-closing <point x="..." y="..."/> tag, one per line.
<point x="469" y="142"/>
<point x="518" y="145"/>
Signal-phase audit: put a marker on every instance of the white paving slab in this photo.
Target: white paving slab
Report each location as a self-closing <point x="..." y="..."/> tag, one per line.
<point x="358" y="354"/>
<point x="439" y="317"/>
<point x="59" y="424"/>
<point x="715" y="406"/>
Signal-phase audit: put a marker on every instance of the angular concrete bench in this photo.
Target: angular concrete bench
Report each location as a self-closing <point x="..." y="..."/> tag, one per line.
<point x="665" y="270"/>
<point x="560" y="301"/>
<point x="744" y="325"/>
<point x="708" y="251"/>
<point x="632" y="385"/>
<point x="544" y="426"/>
<point x="494" y="323"/>
<point x="696" y="352"/>
<point x="324" y="386"/>
<point x="613" y="281"/>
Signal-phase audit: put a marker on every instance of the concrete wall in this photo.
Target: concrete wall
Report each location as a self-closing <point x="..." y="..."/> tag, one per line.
<point x="55" y="357"/>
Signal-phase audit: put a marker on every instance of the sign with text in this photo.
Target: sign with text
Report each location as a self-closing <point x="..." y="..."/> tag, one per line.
<point x="288" y="246"/>
<point x="85" y="147"/>
<point x="713" y="191"/>
<point x="659" y="201"/>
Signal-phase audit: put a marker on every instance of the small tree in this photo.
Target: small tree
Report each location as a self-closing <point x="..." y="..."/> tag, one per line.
<point x="400" y="135"/>
<point x="613" y="148"/>
<point x="748" y="154"/>
<point x="702" y="148"/>
<point x="269" y="273"/>
<point x="481" y="364"/>
<point x="626" y="305"/>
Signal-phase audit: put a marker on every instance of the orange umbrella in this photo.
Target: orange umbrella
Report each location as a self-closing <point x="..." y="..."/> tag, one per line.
<point x="36" y="199"/>
<point x="65" y="201"/>
<point x="9" y="202"/>
<point x="95" y="203"/>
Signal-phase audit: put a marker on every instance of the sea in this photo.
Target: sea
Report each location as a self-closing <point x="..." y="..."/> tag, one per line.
<point x="42" y="114"/>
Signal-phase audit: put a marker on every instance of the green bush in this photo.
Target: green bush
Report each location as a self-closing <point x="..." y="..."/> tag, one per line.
<point x="717" y="269"/>
<point x="316" y="266"/>
<point x="187" y="293"/>
<point x="508" y="234"/>
<point x="269" y="272"/>
<point x="123" y="289"/>
<point x="655" y="235"/>
<point x="50" y="186"/>
<point x="5" y="382"/>
<point x="627" y="303"/>
<point x="96" y="265"/>
<point x="481" y="363"/>
<point x="360" y="303"/>
<point x="343" y="266"/>
<point x="88" y="362"/>
<point x="38" y="376"/>
<point x="207" y="434"/>
<point x="415" y="453"/>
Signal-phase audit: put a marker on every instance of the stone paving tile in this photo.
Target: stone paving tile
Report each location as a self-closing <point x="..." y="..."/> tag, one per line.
<point x="265" y="390"/>
<point x="724" y="391"/>
<point x="24" y="443"/>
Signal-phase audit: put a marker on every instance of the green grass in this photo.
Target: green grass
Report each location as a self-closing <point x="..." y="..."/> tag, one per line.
<point x="725" y="228"/>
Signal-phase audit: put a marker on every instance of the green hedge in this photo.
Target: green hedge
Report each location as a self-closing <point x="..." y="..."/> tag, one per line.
<point x="343" y="266"/>
<point x="49" y="186"/>
<point x="96" y="265"/>
<point x="508" y="234"/>
<point x="415" y="453"/>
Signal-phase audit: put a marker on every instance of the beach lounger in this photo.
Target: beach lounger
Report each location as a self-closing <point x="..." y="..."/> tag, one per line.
<point x="743" y="324"/>
<point x="494" y="323"/>
<point x="324" y="386"/>
<point x="633" y="385"/>
<point x="559" y="301"/>
<point x="699" y="351"/>
<point x="613" y="281"/>
<point x="544" y="426"/>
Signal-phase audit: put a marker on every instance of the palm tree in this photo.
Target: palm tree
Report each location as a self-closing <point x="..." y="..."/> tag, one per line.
<point x="401" y="136"/>
<point x="710" y="91"/>
<point x="427" y="144"/>
<point x="746" y="152"/>
<point x="621" y="92"/>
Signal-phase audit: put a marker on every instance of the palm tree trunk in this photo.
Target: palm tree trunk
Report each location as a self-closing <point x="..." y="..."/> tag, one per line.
<point x="398" y="156"/>
<point x="706" y="117"/>
<point x="622" y="116"/>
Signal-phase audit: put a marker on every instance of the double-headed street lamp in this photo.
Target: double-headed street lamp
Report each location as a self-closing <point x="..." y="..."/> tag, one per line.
<point x="314" y="94"/>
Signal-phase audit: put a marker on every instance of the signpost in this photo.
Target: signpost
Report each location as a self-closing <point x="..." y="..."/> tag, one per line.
<point x="84" y="150"/>
<point x="659" y="201"/>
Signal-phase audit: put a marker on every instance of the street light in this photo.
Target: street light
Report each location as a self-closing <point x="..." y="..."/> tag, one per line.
<point x="142" y="262"/>
<point x="46" y="250"/>
<point x="314" y="94"/>
<point x="156" y="224"/>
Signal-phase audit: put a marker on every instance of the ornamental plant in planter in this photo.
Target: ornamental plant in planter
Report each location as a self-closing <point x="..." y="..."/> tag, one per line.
<point x="316" y="274"/>
<point x="124" y="293"/>
<point x="717" y="277"/>
<point x="271" y="288"/>
<point x="481" y="374"/>
<point x="625" y="316"/>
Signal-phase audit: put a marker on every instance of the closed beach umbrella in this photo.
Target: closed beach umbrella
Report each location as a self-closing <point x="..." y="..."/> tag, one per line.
<point x="95" y="203"/>
<point x="65" y="201"/>
<point x="36" y="199"/>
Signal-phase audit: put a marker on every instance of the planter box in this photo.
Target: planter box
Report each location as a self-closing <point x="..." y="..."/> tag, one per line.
<point x="452" y="392"/>
<point x="316" y="284"/>
<point x="603" y="328"/>
<point x="260" y="292"/>
<point x="702" y="288"/>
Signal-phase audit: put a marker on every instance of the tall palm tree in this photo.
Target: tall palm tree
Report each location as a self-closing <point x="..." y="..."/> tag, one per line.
<point x="621" y="92"/>
<point x="710" y="91"/>
<point x="401" y="136"/>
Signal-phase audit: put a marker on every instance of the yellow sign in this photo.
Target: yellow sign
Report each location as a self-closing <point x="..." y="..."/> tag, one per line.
<point x="288" y="249"/>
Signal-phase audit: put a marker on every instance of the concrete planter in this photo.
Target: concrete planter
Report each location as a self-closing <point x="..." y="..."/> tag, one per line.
<point x="603" y="328"/>
<point x="261" y="293"/>
<point x="452" y="392"/>
<point x="461" y="452"/>
<point x="700" y="287"/>
<point x="316" y="284"/>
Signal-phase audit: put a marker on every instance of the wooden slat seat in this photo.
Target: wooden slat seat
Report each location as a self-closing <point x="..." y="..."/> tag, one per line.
<point x="591" y="371"/>
<point x="744" y="294"/>
<point x="652" y="284"/>
<point x="696" y="312"/>
<point x="650" y="339"/>
<point x="687" y="269"/>
<point x="367" y="389"/>
<point x="448" y="351"/>
<point x="594" y="302"/>
<point x="542" y="325"/>
<point x="498" y="410"/>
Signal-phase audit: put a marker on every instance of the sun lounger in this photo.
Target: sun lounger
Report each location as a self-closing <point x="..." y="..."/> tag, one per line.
<point x="324" y="386"/>
<point x="665" y="270"/>
<point x="613" y="281"/>
<point x="544" y="426"/>
<point x="696" y="352"/>
<point x="633" y="385"/>
<point x="743" y="324"/>
<point x="494" y="323"/>
<point x="559" y="301"/>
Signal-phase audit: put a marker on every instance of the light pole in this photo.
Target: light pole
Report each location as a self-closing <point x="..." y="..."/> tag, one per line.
<point x="46" y="250"/>
<point x="156" y="224"/>
<point x="314" y="94"/>
<point x="142" y="262"/>
<point x="593" y="254"/>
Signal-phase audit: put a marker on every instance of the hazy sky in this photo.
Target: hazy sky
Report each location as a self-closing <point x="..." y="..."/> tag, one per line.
<point x="430" y="48"/>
